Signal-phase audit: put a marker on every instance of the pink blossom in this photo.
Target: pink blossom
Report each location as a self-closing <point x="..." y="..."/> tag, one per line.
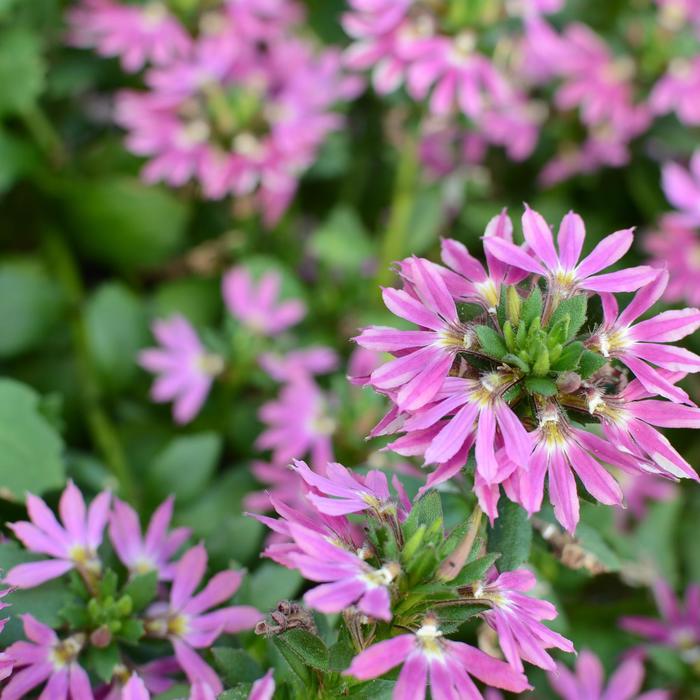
<point x="154" y="551"/>
<point x="298" y="423"/>
<point x="676" y="246"/>
<point x="71" y="544"/>
<point x="47" y="659"/>
<point x="588" y="682"/>
<point x="280" y="483"/>
<point x="638" y="344"/>
<point x="675" y="14"/>
<point x="187" y="619"/>
<point x="135" y="689"/>
<point x="263" y="688"/>
<point x="361" y="364"/>
<point x="186" y="370"/>
<point x="682" y="189"/>
<point x="562" y="268"/>
<point x="638" y="491"/>
<point x="424" y="356"/>
<point x="679" y="91"/>
<point x="679" y="626"/>
<point x="137" y="35"/>
<point x="629" y="420"/>
<point x="351" y="492"/>
<point x="345" y="577"/>
<point x="316" y="359"/>
<point x="259" y="307"/>
<point x="516" y="619"/>
<point x="427" y="654"/>
<point x="534" y="7"/>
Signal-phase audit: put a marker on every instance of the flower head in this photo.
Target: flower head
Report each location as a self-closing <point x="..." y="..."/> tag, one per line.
<point x="427" y="654"/>
<point x="152" y="552"/>
<point x="70" y="544"/>
<point x="682" y="189"/>
<point x="263" y="688"/>
<point x="259" y="308"/>
<point x="186" y="370"/>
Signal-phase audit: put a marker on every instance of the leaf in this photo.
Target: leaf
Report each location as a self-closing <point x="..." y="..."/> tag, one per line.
<point x="532" y="307"/>
<point x="592" y="541"/>
<point x="452" y="617"/>
<point x="236" y="665"/>
<point x="45" y="602"/>
<point x="30" y="448"/>
<point x="30" y="305"/>
<point x="590" y="363"/>
<point x="569" y="358"/>
<point x="373" y="690"/>
<point x="185" y="466"/>
<point x="475" y="571"/>
<point x="103" y="661"/>
<point x="22" y="71"/>
<point x="575" y="307"/>
<point x="511" y="535"/>
<point x="307" y="647"/>
<point x="269" y="584"/>
<point x="512" y="359"/>
<point x="117" y="329"/>
<point x="342" y="241"/>
<point x="541" y="385"/>
<point x="491" y="342"/>
<point x="426" y="511"/>
<point x="123" y="223"/>
<point x="240" y="691"/>
<point x="199" y="300"/>
<point x="142" y="589"/>
<point x="17" y="158"/>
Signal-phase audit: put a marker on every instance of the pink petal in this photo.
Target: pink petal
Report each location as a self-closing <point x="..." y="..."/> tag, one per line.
<point x="668" y="326"/>
<point x="72" y="510"/>
<point x="539" y="237"/>
<point x="188" y="573"/>
<point x="36" y="573"/>
<point x="570" y="239"/>
<point x="623" y="281"/>
<point x="606" y="253"/>
<point x="194" y="667"/>
<point x="403" y="305"/>
<point x="644" y="299"/>
<point x="509" y="253"/>
<point x="381" y="657"/>
<point x="412" y="679"/>
<point x="562" y="492"/>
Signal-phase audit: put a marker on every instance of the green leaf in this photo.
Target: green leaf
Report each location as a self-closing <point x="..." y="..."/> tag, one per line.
<point x="185" y="466"/>
<point x="198" y="299"/>
<point x="475" y="571"/>
<point x="309" y="648"/>
<point x="103" y="661"/>
<point x="30" y="448"/>
<point x="511" y="535"/>
<point x="592" y="541"/>
<point x="117" y="329"/>
<point x="22" y="71"/>
<point x="541" y="385"/>
<point x="236" y="665"/>
<point x="142" y="589"/>
<point x="590" y="363"/>
<point x="45" y="602"/>
<point x="569" y="358"/>
<point x="575" y="307"/>
<point x="123" y="223"/>
<point x="373" y="690"/>
<point x="30" y="305"/>
<point x="427" y="510"/>
<point x="491" y="342"/>
<point x="532" y="307"/>
<point x="269" y="584"/>
<point x="452" y="617"/>
<point x="341" y="653"/>
<point x="512" y="359"/>
<point x="240" y="691"/>
<point x="17" y="157"/>
<point x="132" y="630"/>
<point x="342" y="242"/>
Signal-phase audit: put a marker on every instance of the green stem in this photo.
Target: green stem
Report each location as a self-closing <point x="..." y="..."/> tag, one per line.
<point x="44" y="135"/>
<point x="403" y="201"/>
<point x="102" y="431"/>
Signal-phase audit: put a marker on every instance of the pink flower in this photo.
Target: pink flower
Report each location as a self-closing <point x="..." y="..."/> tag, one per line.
<point x="316" y="359"/>
<point x="562" y="268"/>
<point x="679" y="626"/>
<point x="424" y="356"/>
<point x="186" y="370"/>
<point x="345" y="577"/>
<point x="534" y="7"/>
<point x="135" y="689"/>
<point x="679" y="91"/>
<point x="448" y="664"/>
<point x="624" y="684"/>
<point x="263" y="688"/>
<point x="137" y="35"/>
<point x="676" y="246"/>
<point x="298" y="423"/>
<point x="259" y="308"/>
<point x="352" y="492"/>
<point x="187" y="621"/>
<point x="46" y="658"/>
<point x="154" y="551"/>
<point x="72" y="544"/>
<point x="3" y="620"/>
<point x="638" y="491"/>
<point x="628" y="419"/>
<point x="638" y="344"/>
<point x="682" y="189"/>
<point x="516" y="619"/>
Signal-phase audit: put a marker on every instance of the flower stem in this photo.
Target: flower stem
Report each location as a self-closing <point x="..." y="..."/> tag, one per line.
<point x="102" y="431"/>
<point x="403" y="200"/>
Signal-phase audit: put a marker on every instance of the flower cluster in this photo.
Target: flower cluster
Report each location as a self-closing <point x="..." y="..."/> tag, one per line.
<point x="508" y="365"/>
<point x="402" y="585"/>
<point x="149" y="598"/>
<point x="241" y="108"/>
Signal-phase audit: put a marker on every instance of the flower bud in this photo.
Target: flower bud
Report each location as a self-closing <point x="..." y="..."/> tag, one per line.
<point x="101" y="637"/>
